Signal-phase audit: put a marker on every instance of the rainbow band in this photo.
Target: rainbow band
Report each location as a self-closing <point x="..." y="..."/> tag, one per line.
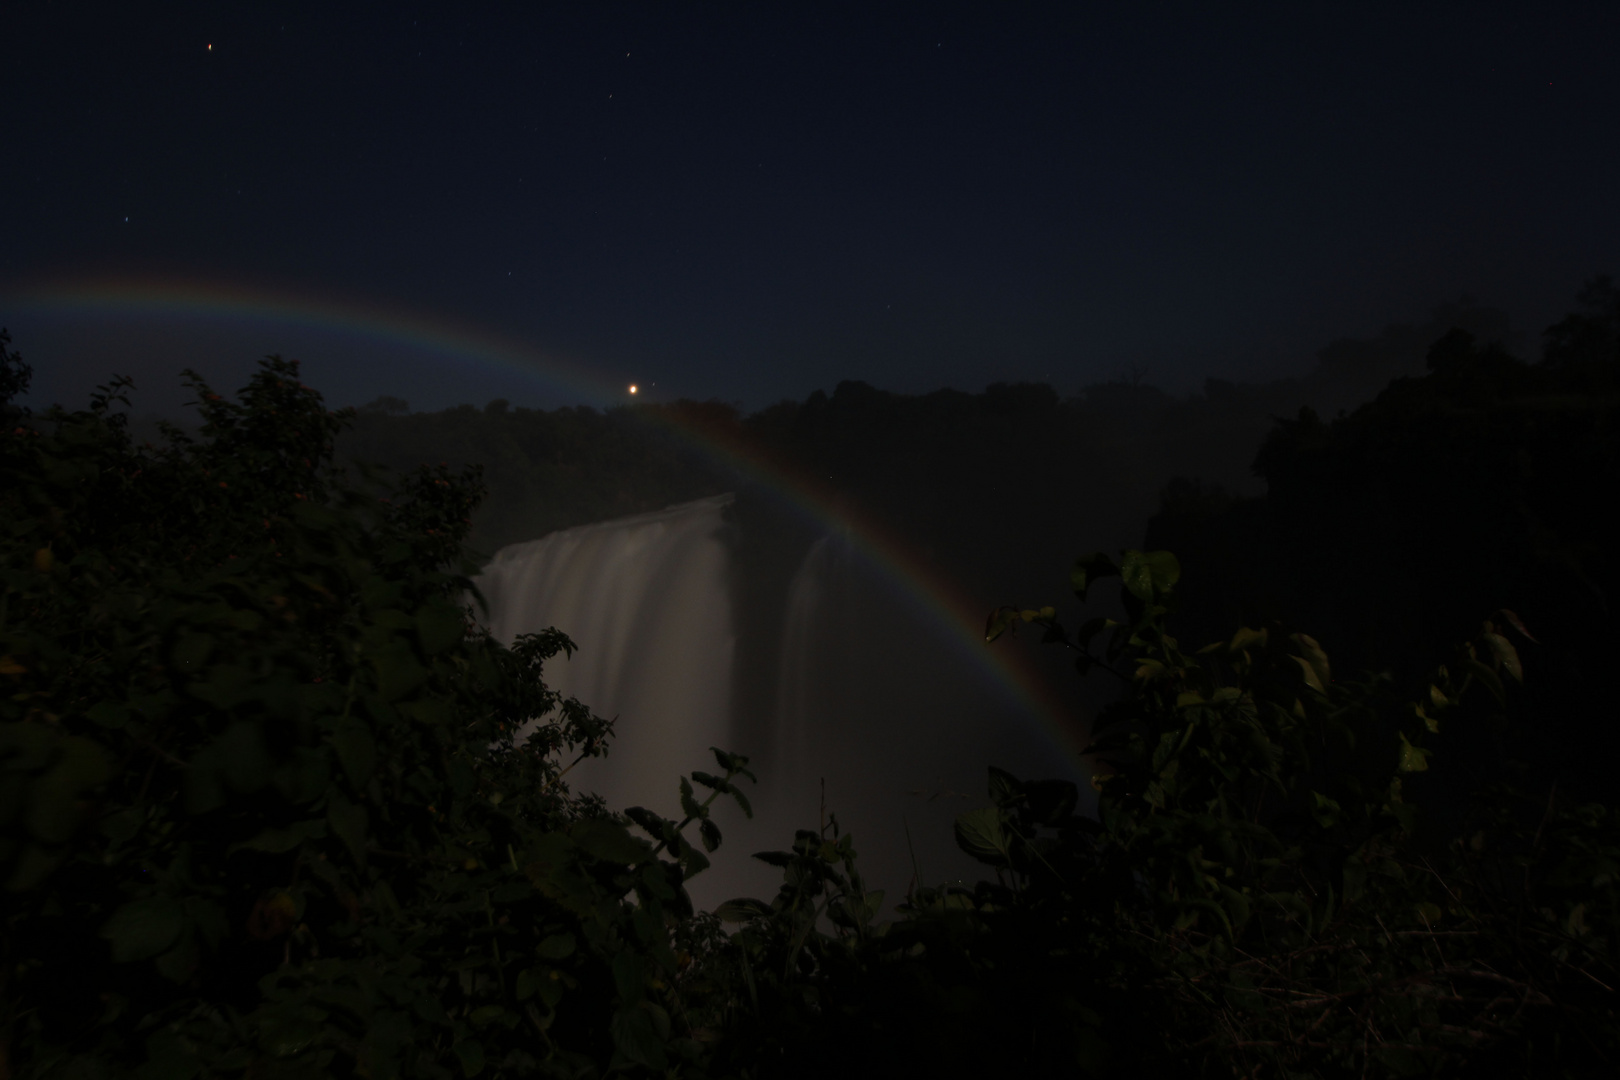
<point x="939" y="599"/>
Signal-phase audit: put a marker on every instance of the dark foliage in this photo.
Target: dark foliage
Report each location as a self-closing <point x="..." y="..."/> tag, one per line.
<point x="1485" y="482"/>
<point x="271" y="806"/>
<point x="1255" y="897"/>
<point x="15" y="376"/>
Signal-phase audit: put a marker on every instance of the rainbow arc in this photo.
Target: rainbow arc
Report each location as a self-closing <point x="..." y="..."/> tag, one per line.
<point x="939" y="599"/>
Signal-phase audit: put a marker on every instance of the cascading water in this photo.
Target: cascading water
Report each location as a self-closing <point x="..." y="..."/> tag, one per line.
<point x="796" y="683"/>
<point x="845" y="691"/>
<point x="646" y="599"/>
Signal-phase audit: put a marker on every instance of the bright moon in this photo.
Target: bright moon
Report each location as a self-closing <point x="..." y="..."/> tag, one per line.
<point x="632" y="388"/>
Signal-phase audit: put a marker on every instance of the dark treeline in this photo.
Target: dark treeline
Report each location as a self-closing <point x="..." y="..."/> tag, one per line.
<point x="993" y="487"/>
<point x="1485" y="482"/>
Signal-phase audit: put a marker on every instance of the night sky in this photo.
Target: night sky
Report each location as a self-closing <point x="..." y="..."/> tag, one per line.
<point x="751" y="202"/>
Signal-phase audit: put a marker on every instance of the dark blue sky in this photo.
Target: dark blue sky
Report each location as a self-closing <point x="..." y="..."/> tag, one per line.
<point x="753" y="202"/>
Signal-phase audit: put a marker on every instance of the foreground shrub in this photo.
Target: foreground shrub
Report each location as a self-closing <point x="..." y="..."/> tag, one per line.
<point x="1263" y="892"/>
<point x="265" y="810"/>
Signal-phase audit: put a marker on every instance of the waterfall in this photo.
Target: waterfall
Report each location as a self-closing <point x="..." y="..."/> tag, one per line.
<point x="647" y="601"/>
<point x="851" y="690"/>
<point x="807" y="598"/>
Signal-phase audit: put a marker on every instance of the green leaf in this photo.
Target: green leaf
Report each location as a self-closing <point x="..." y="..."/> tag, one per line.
<point x="1192" y="909"/>
<point x="485" y="1015"/>
<point x="179" y="964"/>
<point x="391" y="618"/>
<point x="1236" y="904"/>
<point x="629" y="979"/>
<point x="398" y="672"/>
<point x="742" y="910"/>
<point x="1412" y="758"/>
<point x="635" y="1035"/>
<point x="1506" y="654"/>
<point x="226" y="687"/>
<point x="283" y="1035"/>
<point x="433" y="712"/>
<point x="689" y="806"/>
<point x="356" y="750"/>
<point x="1004" y="786"/>
<point x="1148" y="574"/>
<point x="710" y="781"/>
<point x="655" y="877"/>
<point x="348" y="822"/>
<point x="1051" y="801"/>
<point x="316" y="518"/>
<point x="556" y="946"/>
<point x="649" y="822"/>
<point x="609" y="841"/>
<point x="710" y="832"/>
<point x="1309" y="671"/>
<point x="168" y="1057"/>
<point x="732" y="763"/>
<point x="201" y="783"/>
<point x="108" y="714"/>
<point x="1325" y="810"/>
<point x="1488" y="677"/>
<point x="429" y="1008"/>
<point x="209" y="918"/>
<point x="439" y="626"/>
<point x="31" y="870"/>
<point x="1088" y="569"/>
<point x="54" y="810"/>
<point x="243" y="757"/>
<point x="461" y="775"/>
<point x="1246" y="639"/>
<point x="191" y="652"/>
<point x="143" y="928"/>
<point x="1313" y="652"/>
<point x="275" y="841"/>
<point x="998" y="622"/>
<point x="121" y="826"/>
<point x="694" y="862"/>
<point x="980" y="834"/>
<point x="27" y="747"/>
<point x="470" y="1052"/>
<point x="303" y="777"/>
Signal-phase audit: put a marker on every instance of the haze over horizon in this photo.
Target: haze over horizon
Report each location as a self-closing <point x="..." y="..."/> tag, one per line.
<point x="450" y="206"/>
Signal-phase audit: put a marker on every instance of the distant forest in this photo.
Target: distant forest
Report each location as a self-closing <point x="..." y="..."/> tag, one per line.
<point x="952" y="470"/>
